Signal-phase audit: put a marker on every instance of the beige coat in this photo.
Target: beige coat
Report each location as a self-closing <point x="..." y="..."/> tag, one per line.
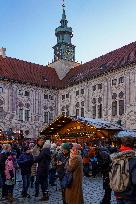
<point x="74" y="194"/>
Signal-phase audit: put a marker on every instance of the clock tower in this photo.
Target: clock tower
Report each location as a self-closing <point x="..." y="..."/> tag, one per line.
<point x="64" y="50"/>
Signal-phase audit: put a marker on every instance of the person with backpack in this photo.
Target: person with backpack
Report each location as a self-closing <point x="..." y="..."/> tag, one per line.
<point x="123" y="172"/>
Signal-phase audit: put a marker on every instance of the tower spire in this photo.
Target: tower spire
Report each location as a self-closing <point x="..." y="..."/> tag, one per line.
<point x="64" y="48"/>
<point x="63" y="21"/>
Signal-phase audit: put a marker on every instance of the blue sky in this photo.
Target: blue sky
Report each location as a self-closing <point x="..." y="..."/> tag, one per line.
<point x="99" y="26"/>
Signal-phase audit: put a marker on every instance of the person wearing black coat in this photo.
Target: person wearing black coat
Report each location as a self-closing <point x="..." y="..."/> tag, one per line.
<point x="5" y="152"/>
<point x="104" y="163"/>
<point x="43" y="161"/>
<point x="25" y="162"/>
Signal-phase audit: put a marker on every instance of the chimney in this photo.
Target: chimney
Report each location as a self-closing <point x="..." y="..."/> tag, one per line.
<point x="3" y="52"/>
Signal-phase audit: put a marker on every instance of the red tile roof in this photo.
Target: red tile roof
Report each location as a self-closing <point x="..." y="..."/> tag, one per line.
<point x="108" y="62"/>
<point x="26" y="72"/>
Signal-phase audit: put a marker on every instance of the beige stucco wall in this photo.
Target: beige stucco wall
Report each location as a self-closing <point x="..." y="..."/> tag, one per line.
<point x="38" y="105"/>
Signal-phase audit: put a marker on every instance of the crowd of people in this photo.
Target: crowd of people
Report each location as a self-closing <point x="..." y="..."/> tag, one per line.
<point x="42" y="163"/>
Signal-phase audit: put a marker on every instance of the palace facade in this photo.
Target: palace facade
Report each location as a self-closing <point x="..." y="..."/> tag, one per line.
<point x="32" y="95"/>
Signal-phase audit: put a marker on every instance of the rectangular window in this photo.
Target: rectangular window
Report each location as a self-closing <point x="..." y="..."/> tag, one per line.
<point x="20" y="92"/>
<point x="114" y="108"/>
<point x="67" y="95"/>
<point x="1" y="113"/>
<point x="45" y="96"/>
<point x="50" y="97"/>
<point x="82" y="103"/>
<point x="63" y="113"/>
<point x="121" y="107"/>
<point x="94" y="111"/>
<point x="1" y="89"/>
<point x="82" y="91"/>
<point x="45" y="117"/>
<point x="67" y="113"/>
<point x="82" y="112"/>
<point x="114" y="82"/>
<point x="27" y="93"/>
<point x="63" y="97"/>
<point x="77" y="112"/>
<point x="27" y="115"/>
<point x="94" y="87"/>
<point x="77" y="93"/>
<point x="21" y="114"/>
<point x="121" y="80"/>
<point x="99" y="86"/>
<point x="100" y="111"/>
<point x="50" y="117"/>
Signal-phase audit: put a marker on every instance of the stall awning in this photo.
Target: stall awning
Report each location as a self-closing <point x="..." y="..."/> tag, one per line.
<point x="62" y="121"/>
<point x="126" y="133"/>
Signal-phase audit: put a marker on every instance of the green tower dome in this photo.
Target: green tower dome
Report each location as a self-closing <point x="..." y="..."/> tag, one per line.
<point x="64" y="48"/>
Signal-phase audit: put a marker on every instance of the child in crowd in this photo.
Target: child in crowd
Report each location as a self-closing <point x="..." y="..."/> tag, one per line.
<point x="10" y="177"/>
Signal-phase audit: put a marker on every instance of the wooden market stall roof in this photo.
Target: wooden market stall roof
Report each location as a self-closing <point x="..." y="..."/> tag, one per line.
<point x="59" y="123"/>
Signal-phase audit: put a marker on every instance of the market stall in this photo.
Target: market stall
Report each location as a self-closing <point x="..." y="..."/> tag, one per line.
<point x="80" y="129"/>
<point x="9" y="136"/>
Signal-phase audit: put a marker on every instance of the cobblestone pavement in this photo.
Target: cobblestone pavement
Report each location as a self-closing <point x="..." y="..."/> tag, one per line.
<point x="92" y="193"/>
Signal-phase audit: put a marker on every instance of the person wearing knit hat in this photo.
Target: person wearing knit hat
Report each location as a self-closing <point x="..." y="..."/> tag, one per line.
<point x="66" y="148"/>
<point x="63" y="157"/>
